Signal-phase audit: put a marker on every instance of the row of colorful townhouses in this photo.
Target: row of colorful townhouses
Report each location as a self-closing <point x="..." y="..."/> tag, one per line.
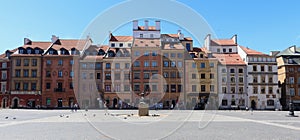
<point x="168" y="68"/>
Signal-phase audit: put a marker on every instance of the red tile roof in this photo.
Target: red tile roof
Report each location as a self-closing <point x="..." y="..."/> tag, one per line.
<point x="229" y="59"/>
<point x="250" y="51"/>
<point x="177" y="46"/>
<point x="41" y="45"/>
<point x="121" y="38"/>
<point x="146" y="43"/>
<point x="223" y="42"/>
<point x="188" y="39"/>
<point x="4" y="55"/>
<point x="68" y="44"/>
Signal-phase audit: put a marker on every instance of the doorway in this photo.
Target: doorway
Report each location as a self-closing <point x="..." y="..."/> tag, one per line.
<point x="115" y="102"/>
<point x="16" y="103"/>
<point x="4" y="102"/>
<point x="59" y="102"/>
<point x="253" y="104"/>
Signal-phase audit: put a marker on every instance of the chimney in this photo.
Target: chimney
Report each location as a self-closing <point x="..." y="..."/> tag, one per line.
<point x="27" y="41"/>
<point x="157" y="25"/>
<point x="135" y="24"/>
<point x="146" y="24"/>
<point x="234" y="38"/>
<point x="180" y="35"/>
<point x="293" y="49"/>
<point x="54" y="39"/>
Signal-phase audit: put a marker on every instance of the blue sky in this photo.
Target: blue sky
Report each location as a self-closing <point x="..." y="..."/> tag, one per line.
<point x="260" y="25"/>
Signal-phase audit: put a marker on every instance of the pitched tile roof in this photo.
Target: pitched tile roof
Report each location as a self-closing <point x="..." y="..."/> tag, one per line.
<point x="250" y="51"/>
<point x="150" y="28"/>
<point x="229" y="59"/>
<point x="41" y="45"/>
<point x="147" y="43"/>
<point x="177" y="46"/>
<point x="223" y="42"/>
<point x="121" y="38"/>
<point x="68" y="44"/>
<point x="290" y="51"/>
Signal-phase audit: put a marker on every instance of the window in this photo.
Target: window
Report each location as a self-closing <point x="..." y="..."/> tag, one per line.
<point x="107" y="76"/>
<point x="107" y="65"/>
<point x="211" y="76"/>
<point x="202" y="88"/>
<point x="108" y="88"/>
<point x="254" y="68"/>
<point x="60" y="62"/>
<point x="136" y="75"/>
<point x="241" y="71"/>
<point x="188" y="46"/>
<point x="146" y="53"/>
<point x="136" y="64"/>
<point x="91" y="75"/>
<point x="224" y="50"/>
<point x="98" y="66"/>
<point x="202" y="76"/>
<point x="17" y="86"/>
<point x="232" y="71"/>
<point x="121" y="44"/>
<point x="201" y="55"/>
<point x="271" y="80"/>
<point x="173" y="74"/>
<point x="18" y="73"/>
<point x="126" y="88"/>
<point x="136" y="87"/>
<point x="241" y="79"/>
<point x="4" y="65"/>
<point x="230" y="50"/>
<point x="166" y="55"/>
<point x="270" y="90"/>
<point x="71" y="85"/>
<point x="146" y="64"/>
<point x="270" y="68"/>
<point x="26" y="73"/>
<point x="292" y="91"/>
<point x="154" y="75"/>
<point x="4" y="75"/>
<point x="127" y="65"/>
<point x="194" y="88"/>
<point x="232" y="89"/>
<point x="224" y="79"/>
<point x="48" y="85"/>
<point x="173" y="55"/>
<point x="202" y="65"/>
<point x="179" y="64"/>
<point x="126" y="76"/>
<point x="218" y="50"/>
<point x="254" y="79"/>
<point x="193" y="65"/>
<point x="179" y="74"/>
<point x="291" y="80"/>
<point x="179" y="55"/>
<point x="224" y="90"/>
<point x="154" y="64"/>
<point x="117" y="66"/>
<point x="25" y="86"/>
<point x="141" y="35"/>
<point x="179" y="88"/>
<point x="98" y="76"/>
<point x="262" y="68"/>
<point x="263" y="90"/>
<point x="113" y="44"/>
<point x="26" y="62"/>
<point x="173" y="64"/>
<point x="151" y="35"/>
<point x="18" y="62"/>
<point x="33" y="73"/>
<point x="255" y="90"/>
<point x="33" y="86"/>
<point x="291" y="69"/>
<point x="223" y="70"/>
<point x="146" y="75"/>
<point x="232" y="79"/>
<point x="224" y="102"/>
<point x="136" y="53"/>
<point x="166" y="74"/>
<point x="154" y="53"/>
<point x="194" y="76"/>
<point x="211" y="65"/>
<point x="166" y="63"/>
<point x="84" y="76"/>
<point x="270" y="102"/>
<point x="34" y="62"/>
<point x="212" y="88"/>
<point x="71" y="74"/>
<point x="241" y="90"/>
<point x="166" y="88"/>
<point x="60" y="73"/>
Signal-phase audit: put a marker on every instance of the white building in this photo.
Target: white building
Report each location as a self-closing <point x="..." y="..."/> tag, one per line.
<point x="262" y="79"/>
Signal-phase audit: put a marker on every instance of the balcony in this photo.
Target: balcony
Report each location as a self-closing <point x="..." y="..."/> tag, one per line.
<point x="59" y="89"/>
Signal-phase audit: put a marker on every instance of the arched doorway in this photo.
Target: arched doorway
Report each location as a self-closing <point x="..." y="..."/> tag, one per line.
<point x="15" y="103"/>
<point x="115" y="102"/>
<point x="253" y="104"/>
<point x="4" y="103"/>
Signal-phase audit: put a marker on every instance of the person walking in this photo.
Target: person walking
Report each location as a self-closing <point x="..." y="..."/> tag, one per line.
<point x="75" y="107"/>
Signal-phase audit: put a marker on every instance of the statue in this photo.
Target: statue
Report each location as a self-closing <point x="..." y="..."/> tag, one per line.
<point x="143" y="107"/>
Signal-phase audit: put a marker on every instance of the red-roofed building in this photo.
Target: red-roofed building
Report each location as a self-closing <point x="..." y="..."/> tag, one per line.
<point x="5" y="69"/>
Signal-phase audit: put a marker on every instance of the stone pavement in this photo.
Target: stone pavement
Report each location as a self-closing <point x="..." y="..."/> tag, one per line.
<point x="167" y="124"/>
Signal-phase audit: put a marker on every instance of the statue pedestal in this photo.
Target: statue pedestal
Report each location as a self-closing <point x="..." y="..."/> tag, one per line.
<point x="143" y="109"/>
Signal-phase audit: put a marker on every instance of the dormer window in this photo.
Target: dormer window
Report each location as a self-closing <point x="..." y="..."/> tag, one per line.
<point x="63" y="52"/>
<point x="129" y="44"/>
<point x="141" y="35"/>
<point x="37" y="51"/>
<point x="28" y="51"/>
<point x="21" y="51"/>
<point x="121" y="45"/>
<point x="51" y="52"/>
<point x="113" y="44"/>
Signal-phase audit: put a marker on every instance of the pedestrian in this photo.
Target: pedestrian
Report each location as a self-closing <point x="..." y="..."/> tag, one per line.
<point x="75" y="107"/>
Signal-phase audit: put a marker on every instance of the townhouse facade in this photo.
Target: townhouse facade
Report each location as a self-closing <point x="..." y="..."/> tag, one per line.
<point x="288" y="76"/>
